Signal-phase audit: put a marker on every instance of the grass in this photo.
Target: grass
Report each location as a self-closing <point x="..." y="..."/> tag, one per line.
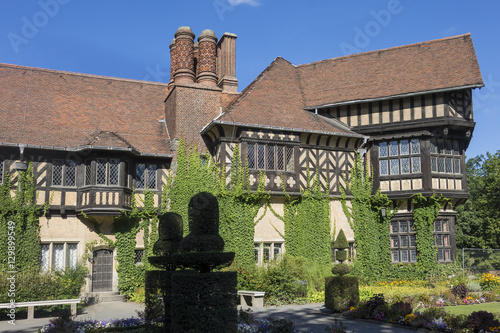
<point x="468" y="309"/>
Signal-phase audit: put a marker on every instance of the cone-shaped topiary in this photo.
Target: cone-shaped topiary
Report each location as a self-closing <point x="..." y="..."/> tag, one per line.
<point x="341" y="242"/>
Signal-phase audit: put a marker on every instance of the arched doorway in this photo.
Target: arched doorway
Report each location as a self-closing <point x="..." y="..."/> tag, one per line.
<point x="102" y="270"/>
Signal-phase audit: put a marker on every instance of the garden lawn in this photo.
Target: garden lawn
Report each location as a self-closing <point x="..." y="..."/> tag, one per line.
<point x="468" y="309"/>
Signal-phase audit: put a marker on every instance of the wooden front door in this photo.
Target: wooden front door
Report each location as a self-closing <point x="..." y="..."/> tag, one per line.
<point x="102" y="270"/>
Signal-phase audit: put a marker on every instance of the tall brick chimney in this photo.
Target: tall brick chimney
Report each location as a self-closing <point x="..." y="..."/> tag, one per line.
<point x="226" y="63"/>
<point x="184" y="56"/>
<point x="207" y="59"/>
<point x="173" y="60"/>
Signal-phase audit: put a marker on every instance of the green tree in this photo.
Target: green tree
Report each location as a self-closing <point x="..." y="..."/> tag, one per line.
<point x="478" y="220"/>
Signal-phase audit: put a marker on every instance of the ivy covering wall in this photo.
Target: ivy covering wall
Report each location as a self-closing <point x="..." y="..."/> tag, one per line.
<point x="19" y="223"/>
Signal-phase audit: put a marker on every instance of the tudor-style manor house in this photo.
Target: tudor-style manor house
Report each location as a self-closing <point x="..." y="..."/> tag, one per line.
<point x="92" y="140"/>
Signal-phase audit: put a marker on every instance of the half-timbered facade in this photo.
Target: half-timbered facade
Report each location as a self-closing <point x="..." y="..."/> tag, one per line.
<point x="92" y="140"/>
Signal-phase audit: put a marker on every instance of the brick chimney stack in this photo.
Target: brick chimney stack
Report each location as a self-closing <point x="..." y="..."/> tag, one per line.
<point x="173" y="59"/>
<point x="226" y="63"/>
<point x="207" y="59"/>
<point x="184" y="56"/>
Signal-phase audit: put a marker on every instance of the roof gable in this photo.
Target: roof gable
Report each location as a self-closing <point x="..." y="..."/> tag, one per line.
<point x="42" y="107"/>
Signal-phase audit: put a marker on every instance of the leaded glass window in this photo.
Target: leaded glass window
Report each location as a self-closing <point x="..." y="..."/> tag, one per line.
<point x="404" y="157"/>
<point x="145" y="176"/>
<point x="63" y="173"/>
<point x="402" y="242"/>
<point x="101" y="171"/>
<point x="445" y="156"/>
<point x="57" y="173"/>
<point x="71" y="255"/>
<point x="58" y="257"/>
<point x="114" y="167"/>
<point x="138" y="256"/>
<point x="152" y="176"/>
<point x="44" y="257"/>
<point x="270" y="157"/>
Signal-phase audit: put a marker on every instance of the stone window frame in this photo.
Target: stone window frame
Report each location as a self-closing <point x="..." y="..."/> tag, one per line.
<point x="48" y="256"/>
<point x="274" y="249"/>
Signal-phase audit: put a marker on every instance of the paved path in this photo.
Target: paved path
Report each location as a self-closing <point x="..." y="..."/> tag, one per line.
<point x="309" y="318"/>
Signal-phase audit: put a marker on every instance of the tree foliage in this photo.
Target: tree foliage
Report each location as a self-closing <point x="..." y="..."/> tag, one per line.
<point x="478" y="220"/>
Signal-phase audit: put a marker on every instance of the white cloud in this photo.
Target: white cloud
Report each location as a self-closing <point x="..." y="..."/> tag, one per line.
<point x="235" y="3"/>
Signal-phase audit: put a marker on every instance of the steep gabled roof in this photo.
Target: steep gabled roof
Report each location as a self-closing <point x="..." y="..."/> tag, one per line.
<point x="416" y="68"/>
<point x="279" y="96"/>
<point x="41" y="107"/>
<point x="275" y="99"/>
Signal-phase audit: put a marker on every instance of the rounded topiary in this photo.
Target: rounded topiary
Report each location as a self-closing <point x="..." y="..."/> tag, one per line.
<point x="341" y="269"/>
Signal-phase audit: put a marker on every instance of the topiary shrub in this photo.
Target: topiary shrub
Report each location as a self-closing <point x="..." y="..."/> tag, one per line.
<point x="341" y="245"/>
<point x="341" y="292"/>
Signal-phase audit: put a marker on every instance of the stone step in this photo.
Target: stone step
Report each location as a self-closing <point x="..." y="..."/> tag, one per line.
<point x="101" y="297"/>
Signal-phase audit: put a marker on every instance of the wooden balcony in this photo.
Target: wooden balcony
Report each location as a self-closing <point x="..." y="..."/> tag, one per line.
<point x="103" y="200"/>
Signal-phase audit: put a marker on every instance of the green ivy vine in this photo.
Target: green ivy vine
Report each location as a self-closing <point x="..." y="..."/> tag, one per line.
<point x="371" y="230"/>
<point x="307" y="222"/>
<point x="23" y="235"/>
<point x="425" y="212"/>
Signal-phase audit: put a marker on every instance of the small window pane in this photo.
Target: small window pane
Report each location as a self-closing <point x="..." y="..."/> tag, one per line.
<point x="404" y="255"/>
<point x="88" y="173"/>
<point x="384" y="167"/>
<point x="270" y="157"/>
<point x="441" y="164"/>
<point x="280" y="156"/>
<point x="446" y="240"/>
<point x="404" y="241"/>
<point x="439" y="240"/>
<point x="152" y="176"/>
<point x="415" y="146"/>
<point x="140" y="175"/>
<point x="261" y="151"/>
<point x="71" y="255"/>
<point x="405" y="147"/>
<point x="434" y="164"/>
<point x="394" y="241"/>
<point x="456" y="167"/>
<point x="101" y="172"/>
<point x="447" y="254"/>
<point x="266" y="252"/>
<point x="256" y="252"/>
<point x="441" y="149"/>
<point x="445" y="226"/>
<point x="251" y="156"/>
<point x="415" y="164"/>
<point x="382" y="149"/>
<point x="413" y="255"/>
<point x="138" y="256"/>
<point x="57" y="171"/>
<point x="44" y="257"/>
<point x="277" y="249"/>
<point x="440" y="255"/>
<point x="405" y="165"/>
<point x="289" y="159"/>
<point x="395" y="256"/>
<point x="58" y="257"/>
<point x="394" y="227"/>
<point x="449" y="165"/>
<point x="404" y="226"/>
<point x="438" y="226"/>
<point x="394" y="167"/>
<point x="393" y="148"/>
<point x="70" y="174"/>
<point x="113" y="171"/>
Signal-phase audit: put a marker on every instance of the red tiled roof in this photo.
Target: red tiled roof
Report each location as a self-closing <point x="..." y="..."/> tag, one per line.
<point x="282" y="91"/>
<point x="60" y="109"/>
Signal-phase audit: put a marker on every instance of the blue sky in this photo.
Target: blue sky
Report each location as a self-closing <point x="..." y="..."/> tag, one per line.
<point x="129" y="39"/>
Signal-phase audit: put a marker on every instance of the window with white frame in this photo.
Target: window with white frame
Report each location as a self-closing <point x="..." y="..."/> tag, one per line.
<point x="267" y="251"/>
<point x="399" y="157"/>
<point x="64" y="173"/>
<point x="270" y="157"/>
<point x="58" y="256"/>
<point x="445" y="156"/>
<point x="145" y="176"/>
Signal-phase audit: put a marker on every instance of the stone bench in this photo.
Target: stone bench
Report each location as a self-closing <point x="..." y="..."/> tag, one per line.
<point x="31" y="305"/>
<point x="251" y="298"/>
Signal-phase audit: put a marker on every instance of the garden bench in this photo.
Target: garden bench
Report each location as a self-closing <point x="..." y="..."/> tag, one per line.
<point x="251" y="298"/>
<point x="31" y="305"/>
